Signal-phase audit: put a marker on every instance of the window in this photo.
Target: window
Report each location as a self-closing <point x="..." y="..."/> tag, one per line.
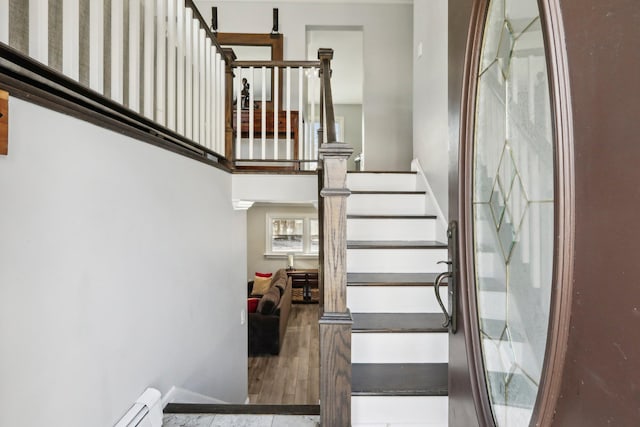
<point x="292" y="234"/>
<point x="287" y="235"/>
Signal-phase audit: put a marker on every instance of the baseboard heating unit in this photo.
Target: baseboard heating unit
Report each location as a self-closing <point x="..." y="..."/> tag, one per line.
<point x="146" y="412"/>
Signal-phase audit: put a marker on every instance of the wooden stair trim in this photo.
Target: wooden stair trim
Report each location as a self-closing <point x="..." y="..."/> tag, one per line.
<point x="395" y="244"/>
<point x="359" y="216"/>
<point x="398" y="323"/>
<point x="391" y="279"/>
<point x="207" y="408"/>
<point x="399" y="379"/>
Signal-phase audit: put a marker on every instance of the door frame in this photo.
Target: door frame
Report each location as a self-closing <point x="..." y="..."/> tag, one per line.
<point x="564" y="214"/>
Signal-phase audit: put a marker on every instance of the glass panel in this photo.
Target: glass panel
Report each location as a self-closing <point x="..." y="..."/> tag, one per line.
<point x="490" y="131"/>
<point x="513" y="209"/>
<point x="287" y="235"/>
<point x="493" y="30"/>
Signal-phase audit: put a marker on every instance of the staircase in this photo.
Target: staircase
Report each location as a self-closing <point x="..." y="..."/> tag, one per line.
<point x="399" y="347"/>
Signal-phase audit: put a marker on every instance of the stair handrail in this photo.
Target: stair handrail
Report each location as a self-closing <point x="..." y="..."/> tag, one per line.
<point x="335" y="319"/>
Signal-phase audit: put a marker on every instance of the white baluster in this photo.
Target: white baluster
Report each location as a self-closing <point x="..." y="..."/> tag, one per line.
<point x="251" y="124"/>
<point x="171" y="64"/>
<point x="217" y="87"/>
<point x="263" y="113"/>
<point x="134" y="55"/>
<point x="188" y="74"/>
<point x="312" y="120"/>
<point x="4" y="21"/>
<point x="201" y="70"/>
<point x="148" y="59"/>
<point x="215" y="84"/>
<point x="117" y="50"/>
<point x="221" y="103"/>
<point x="238" y="113"/>
<point x="195" y="57"/>
<point x="161" y="63"/>
<point x="288" y="127"/>
<point x="180" y="78"/>
<point x="207" y="77"/>
<point x="39" y="30"/>
<point x="274" y="95"/>
<point x="301" y="112"/>
<point x="70" y="38"/>
<point x="96" y="45"/>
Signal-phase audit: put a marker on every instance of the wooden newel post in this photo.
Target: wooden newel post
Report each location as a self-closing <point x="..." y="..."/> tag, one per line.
<point x="229" y="57"/>
<point x="335" y="320"/>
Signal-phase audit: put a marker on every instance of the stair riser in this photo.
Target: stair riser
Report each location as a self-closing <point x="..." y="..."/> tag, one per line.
<point x="381" y="182"/>
<point x="398" y="410"/>
<point x="395" y="260"/>
<point x="386" y="204"/>
<point x="391" y="229"/>
<point x="428" y="347"/>
<point x="394" y="299"/>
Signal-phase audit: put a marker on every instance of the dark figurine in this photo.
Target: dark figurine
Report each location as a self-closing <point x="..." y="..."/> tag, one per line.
<point x="245" y="95"/>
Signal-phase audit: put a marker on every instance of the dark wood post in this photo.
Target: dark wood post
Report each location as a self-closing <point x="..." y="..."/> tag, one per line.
<point x="335" y="320"/>
<point x="229" y="57"/>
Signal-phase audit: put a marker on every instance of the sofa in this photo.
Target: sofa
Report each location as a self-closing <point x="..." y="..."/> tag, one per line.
<point x="268" y="324"/>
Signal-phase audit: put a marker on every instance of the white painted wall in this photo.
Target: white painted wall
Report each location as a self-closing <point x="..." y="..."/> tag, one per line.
<point x="388" y="35"/>
<point x="115" y="274"/>
<point x="352" y="114"/>
<point x="430" y="105"/>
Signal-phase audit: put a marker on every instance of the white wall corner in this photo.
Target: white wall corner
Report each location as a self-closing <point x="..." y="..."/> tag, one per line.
<point x="423" y="184"/>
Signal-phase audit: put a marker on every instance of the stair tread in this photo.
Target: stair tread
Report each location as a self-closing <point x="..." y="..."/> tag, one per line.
<point x="388" y="192"/>
<point x="390" y="216"/>
<point x="399" y="379"/>
<point x="397" y="322"/>
<point x="229" y="408"/>
<point x="395" y="244"/>
<point x="391" y="279"/>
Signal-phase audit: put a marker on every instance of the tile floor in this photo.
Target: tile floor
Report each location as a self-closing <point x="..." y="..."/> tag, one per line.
<point x="218" y="420"/>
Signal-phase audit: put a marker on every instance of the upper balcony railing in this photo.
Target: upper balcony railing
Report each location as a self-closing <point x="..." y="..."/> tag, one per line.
<point x="285" y="135"/>
<point x="156" y="64"/>
<point x="155" y="58"/>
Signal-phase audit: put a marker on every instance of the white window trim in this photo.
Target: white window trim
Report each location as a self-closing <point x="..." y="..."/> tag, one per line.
<point x="306" y="235"/>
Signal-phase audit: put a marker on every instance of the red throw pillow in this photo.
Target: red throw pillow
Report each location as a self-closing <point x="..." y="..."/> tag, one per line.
<point x="252" y="304"/>
<point x="264" y="274"/>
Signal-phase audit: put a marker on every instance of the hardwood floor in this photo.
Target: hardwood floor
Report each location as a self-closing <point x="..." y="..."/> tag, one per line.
<point x="293" y="377"/>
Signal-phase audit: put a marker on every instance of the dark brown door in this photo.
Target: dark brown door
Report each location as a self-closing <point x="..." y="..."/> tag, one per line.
<point x="544" y="187"/>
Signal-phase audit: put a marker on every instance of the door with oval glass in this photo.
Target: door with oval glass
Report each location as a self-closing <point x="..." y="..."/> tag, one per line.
<point x="510" y="214"/>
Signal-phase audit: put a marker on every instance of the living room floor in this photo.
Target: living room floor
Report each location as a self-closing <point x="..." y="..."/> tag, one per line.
<point x="292" y="377"/>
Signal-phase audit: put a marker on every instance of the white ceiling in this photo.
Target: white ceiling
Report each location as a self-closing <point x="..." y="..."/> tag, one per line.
<point x="347" y="64"/>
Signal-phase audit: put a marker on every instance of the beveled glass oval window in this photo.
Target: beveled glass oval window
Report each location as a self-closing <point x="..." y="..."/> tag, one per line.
<point x="513" y="207"/>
